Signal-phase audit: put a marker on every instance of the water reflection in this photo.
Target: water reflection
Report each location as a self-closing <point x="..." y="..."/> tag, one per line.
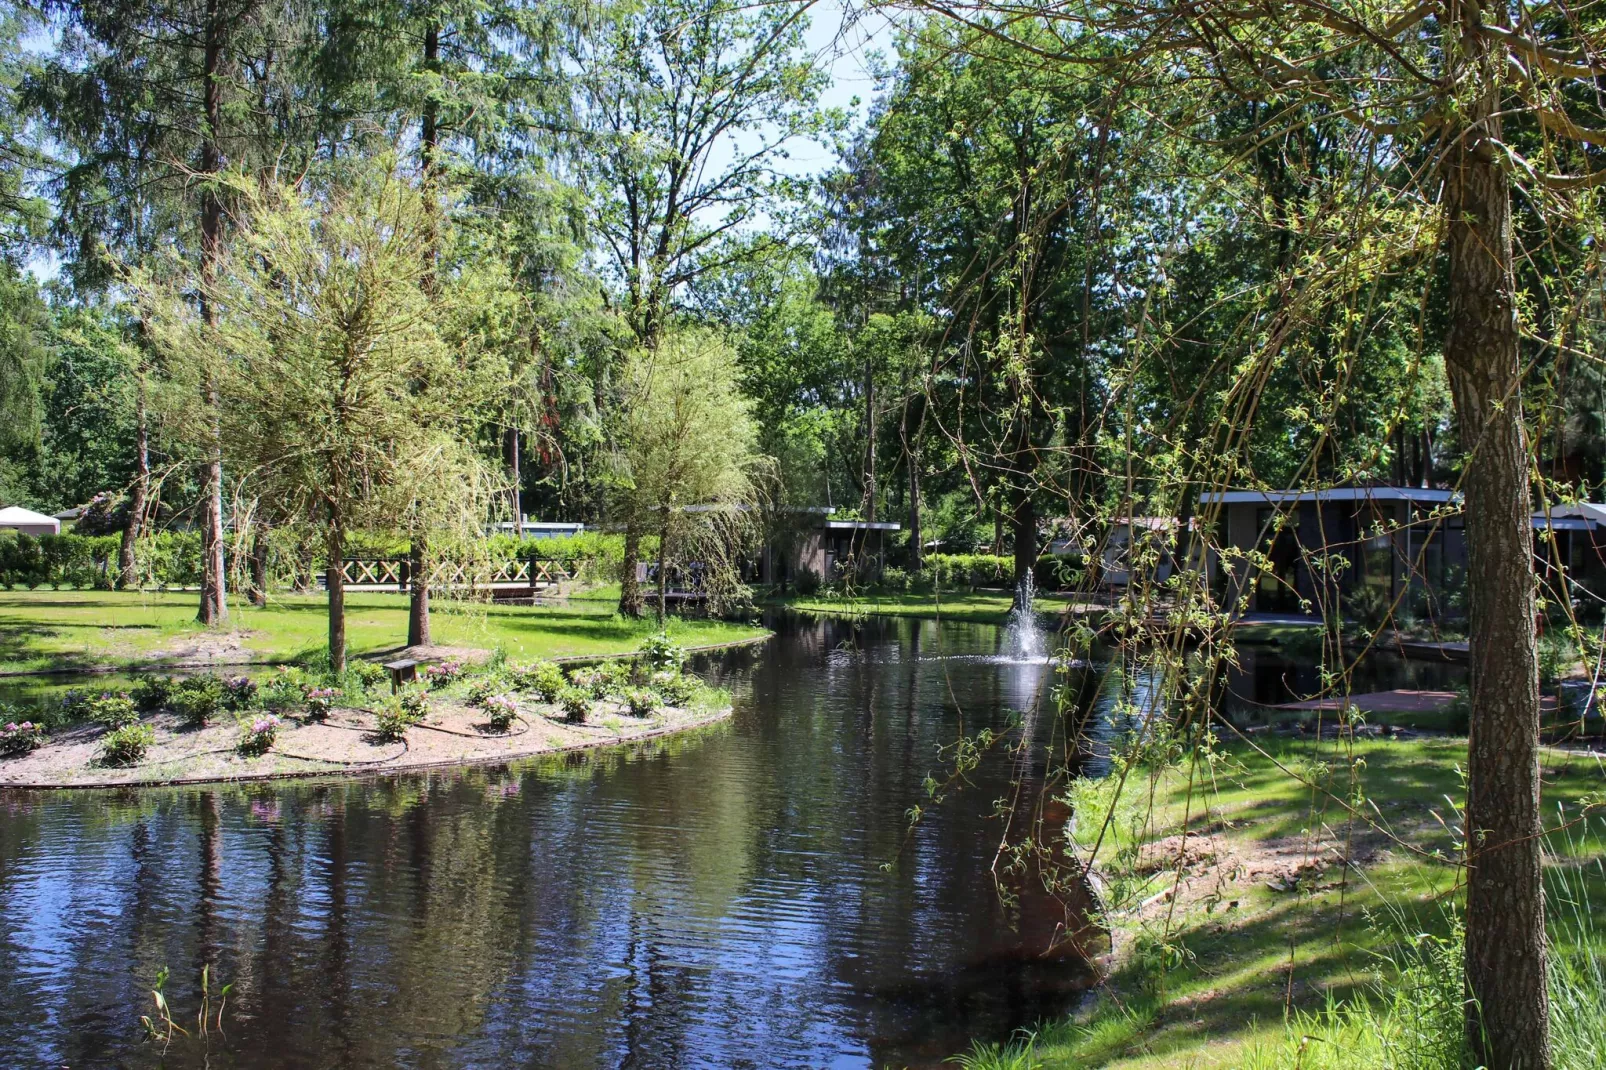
<point x="715" y="900"/>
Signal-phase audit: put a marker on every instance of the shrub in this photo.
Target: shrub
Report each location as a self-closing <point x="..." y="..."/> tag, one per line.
<point x="153" y="692"/>
<point x="126" y="744"/>
<point x="239" y="693"/>
<point x="483" y="688"/>
<point x="360" y="676"/>
<point x="283" y="691"/>
<point x="199" y="698"/>
<point x="661" y="652"/>
<point x="258" y="733"/>
<point x="443" y="673"/>
<point x="392" y="719"/>
<point x="609" y="678"/>
<point x="415" y="700"/>
<point x="642" y="701"/>
<point x="501" y="711"/>
<point x="544" y="678"/>
<point x="678" y="689"/>
<point x="320" y="700"/>
<point x="110" y="708"/>
<point x="575" y="704"/>
<point x="21" y="738"/>
<point x="807" y="581"/>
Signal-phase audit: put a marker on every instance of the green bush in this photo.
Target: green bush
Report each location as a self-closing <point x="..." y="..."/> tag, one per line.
<point x="198" y="699"/>
<point x="609" y="678"/>
<point x="484" y="687"/>
<point x="126" y="744"/>
<point x="110" y="708"/>
<point x="575" y="704"/>
<point x="501" y="711"/>
<point x="153" y="692"/>
<point x="395" y="714"/>
<point x="660" y="652"/>
<point x="642" y="701"/>
<point x="678" y="689"/>
<point x="543" y="678"/>
<point x="257" y="734"/>
<point x="20" y="737"/>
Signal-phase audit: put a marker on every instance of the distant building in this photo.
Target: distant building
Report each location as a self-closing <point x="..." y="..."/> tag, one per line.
<point x="28" y="522"/>
<point x="539" y="529"/>
<point x="1128" y="538"/>
<point x="1376" y="546"/>
<point x="808" y="540"/>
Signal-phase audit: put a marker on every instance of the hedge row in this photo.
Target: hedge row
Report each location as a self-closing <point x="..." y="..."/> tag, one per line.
<point x="173" y="558"/>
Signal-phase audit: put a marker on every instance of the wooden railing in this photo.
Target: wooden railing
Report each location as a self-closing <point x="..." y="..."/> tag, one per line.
<point x="395" y="574"/>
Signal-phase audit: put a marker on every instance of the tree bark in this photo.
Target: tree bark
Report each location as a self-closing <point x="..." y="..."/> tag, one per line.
<point x="516" y="493"/>
<point x="126" y="566"/>
<point x="1508" y="1012"/>
<point x="1025" y="523"/>
<point x="335" y="580"/>
<point x="259" y="569"/>
<point x="629" y="589"/>
<point x="869" y="437"/>
<point x="418" y="589"/>
<point x="663" y="567"/>
<point x="214" y="601"/>
<point x="418" y="631"/>
<point x="917" y="551"/>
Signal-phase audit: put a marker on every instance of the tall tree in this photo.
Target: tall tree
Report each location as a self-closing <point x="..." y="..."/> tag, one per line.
<point x="1473" y="103"/>
<point x="682" y="110"/>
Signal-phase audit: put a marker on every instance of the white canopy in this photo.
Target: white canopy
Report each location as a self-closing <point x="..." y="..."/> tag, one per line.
<point x="28" y="522"/>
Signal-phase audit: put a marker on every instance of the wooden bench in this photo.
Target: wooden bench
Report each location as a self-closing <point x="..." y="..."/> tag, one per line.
<point x="402" y="670"/>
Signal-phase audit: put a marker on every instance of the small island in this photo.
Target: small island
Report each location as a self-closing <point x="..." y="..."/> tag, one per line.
<point x="297" y="722"/>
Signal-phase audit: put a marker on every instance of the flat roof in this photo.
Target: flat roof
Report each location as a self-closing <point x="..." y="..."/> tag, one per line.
<point x="1331" y="494"/>
<point x="1564" y="523"/>
<point x="861" y="525"/>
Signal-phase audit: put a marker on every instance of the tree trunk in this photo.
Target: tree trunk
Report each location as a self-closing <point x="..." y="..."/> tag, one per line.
<point x="1508" y="1014"/>
<point x="516" y="493"/>
<point x="917" y="551"/>
<point x="418" y="593"/>
<point x="1025" y="519"/>
<point x="663" y="568"/>
<point x="869" y="436"/>
<point x="214" y="601"/>
<point x="127" y="569"/>
<point x="335" y="580"/>
<point x="259" y="569"/>
<point x="629" y="589"/>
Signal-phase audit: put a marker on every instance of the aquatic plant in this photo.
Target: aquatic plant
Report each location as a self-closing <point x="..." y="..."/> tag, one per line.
<point x="21" y="737"/>
<point x="162" y="1026"/>
<point x="501" y="711"/>
<point x="126" y="744"/>
<point x="257" y="734"/>
<point x="575" y="704"/>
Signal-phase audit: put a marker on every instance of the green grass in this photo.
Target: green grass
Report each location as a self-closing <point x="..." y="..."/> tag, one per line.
<point x="67" y="630"/>
<point x="986" y="607"/>
<point x="1222" y="979"/>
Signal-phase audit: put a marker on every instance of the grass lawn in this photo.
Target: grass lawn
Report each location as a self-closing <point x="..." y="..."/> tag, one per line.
<point x="1265" y="919"/>
<point x="986" y="607"/>
<point x="65" y="630"/>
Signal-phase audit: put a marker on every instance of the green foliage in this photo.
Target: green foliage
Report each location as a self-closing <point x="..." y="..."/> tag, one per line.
<point x="608" y="678"/>
<point x="544" y="678"/>
<point x="642" y="701"/>
<point x="198" y="699"/>
<point x="395" y="714"/>
<point x="19" y="737"/>
<point x="153" y="692"/>
<point x="501" y="711"/>
<point x="110" y="708"/>
<point x="575" y="703"/>
<point x="661" y="653"/>
<point x="257" y="734"/>
<point x="677" y="688"/>
<point x="127" y="744"/>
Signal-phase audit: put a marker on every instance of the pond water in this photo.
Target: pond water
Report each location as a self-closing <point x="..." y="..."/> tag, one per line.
<point x="716" y="900"/>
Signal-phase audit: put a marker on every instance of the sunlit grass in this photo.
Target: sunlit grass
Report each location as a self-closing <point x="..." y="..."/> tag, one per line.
<point x="43" y="630"/>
